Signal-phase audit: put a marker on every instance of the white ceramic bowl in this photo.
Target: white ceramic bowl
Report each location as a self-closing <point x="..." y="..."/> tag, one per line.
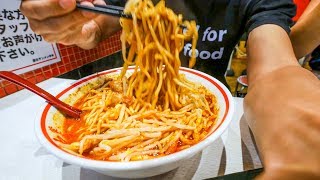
<point x="145" y="168"/>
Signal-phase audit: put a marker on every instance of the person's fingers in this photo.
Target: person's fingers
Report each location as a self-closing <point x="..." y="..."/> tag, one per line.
<point x="99" y="2"/>
<point x="89" y="30"/>
<point x="42" y="9"/>
<point x="87" y="14"/>
<point x="74" y="35"/>
<point x="59" y="37"/>
<point x="92" y="32"/>
<point x="58" y="24"/>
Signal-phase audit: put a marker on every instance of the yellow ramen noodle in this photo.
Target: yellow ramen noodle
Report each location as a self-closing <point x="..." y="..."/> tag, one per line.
<point x="155" y="38"/>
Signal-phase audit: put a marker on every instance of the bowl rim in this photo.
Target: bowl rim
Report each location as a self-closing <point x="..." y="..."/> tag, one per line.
<point x="47" y="142"/>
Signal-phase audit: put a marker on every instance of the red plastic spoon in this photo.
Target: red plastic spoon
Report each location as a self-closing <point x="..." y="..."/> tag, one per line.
<point x="63" y="107"/>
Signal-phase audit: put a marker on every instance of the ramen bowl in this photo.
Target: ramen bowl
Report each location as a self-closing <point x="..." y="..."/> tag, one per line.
<point x="142" y="168"/>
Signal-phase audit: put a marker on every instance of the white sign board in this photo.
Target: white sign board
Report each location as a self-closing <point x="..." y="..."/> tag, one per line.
<point x="21" y="50"/>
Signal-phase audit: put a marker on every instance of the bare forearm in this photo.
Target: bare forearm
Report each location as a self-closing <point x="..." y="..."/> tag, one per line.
<point x="269" y="48"/>
<point x="312" y="4"/>
<point x="305" y="34"/>
<point x="283" y="112"/>
<point x="282" y="107"/>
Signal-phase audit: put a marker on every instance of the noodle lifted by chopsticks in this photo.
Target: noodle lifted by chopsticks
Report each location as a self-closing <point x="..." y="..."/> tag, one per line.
<point x="156" y="38"/>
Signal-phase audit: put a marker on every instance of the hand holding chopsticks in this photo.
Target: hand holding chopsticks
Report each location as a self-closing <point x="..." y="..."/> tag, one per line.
<point x="60" y="21"/>
<point x="63" y="22"/>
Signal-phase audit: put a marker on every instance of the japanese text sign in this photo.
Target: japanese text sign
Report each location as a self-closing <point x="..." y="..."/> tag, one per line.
<point x="21" y="50"/>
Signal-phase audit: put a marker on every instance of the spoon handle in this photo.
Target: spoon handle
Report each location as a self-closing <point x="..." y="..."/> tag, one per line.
<point x="63" y="107"/>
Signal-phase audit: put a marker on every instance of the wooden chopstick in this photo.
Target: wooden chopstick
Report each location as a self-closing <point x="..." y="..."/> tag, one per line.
<point x="105" y="9"/>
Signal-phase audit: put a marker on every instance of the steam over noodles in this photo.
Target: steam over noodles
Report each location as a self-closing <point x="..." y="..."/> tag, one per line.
<point x="153" y="112"/>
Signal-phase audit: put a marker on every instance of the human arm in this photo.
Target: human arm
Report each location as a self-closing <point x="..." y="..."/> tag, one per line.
<point x="283" y="98"/>
<point x="58" y="21"/>
<point x="282" y="107"/>
<point x="305" y="34"/>
<point x="312" y="4"/>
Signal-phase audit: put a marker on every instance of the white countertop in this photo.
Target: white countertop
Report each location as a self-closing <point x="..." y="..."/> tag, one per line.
<point x="22" y="157"/>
